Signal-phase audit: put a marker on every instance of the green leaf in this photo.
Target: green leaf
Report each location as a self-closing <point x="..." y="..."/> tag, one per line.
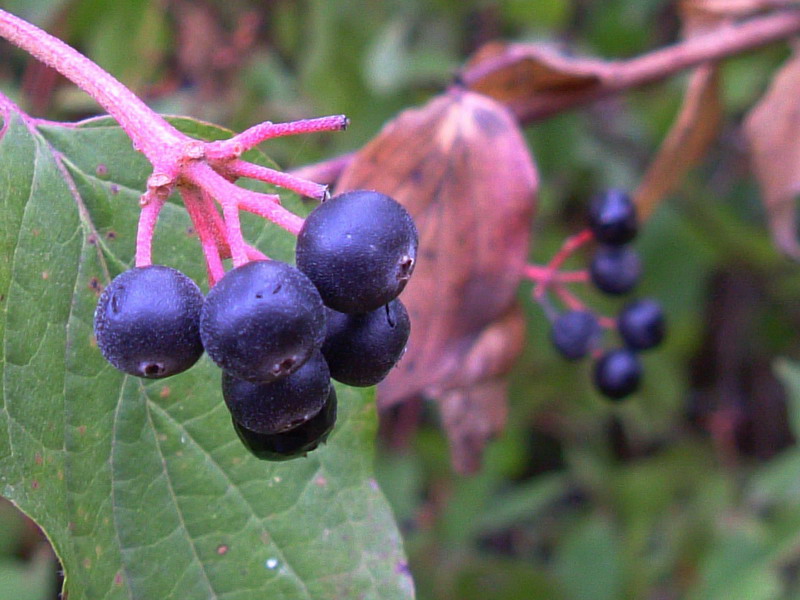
<point x="589" y="561"/>
<point x="142" y="486"/>
<point x="789" y="374"/>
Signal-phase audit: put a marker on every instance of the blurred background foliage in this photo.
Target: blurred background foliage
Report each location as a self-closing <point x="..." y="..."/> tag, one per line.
<point x="691" y="489"/>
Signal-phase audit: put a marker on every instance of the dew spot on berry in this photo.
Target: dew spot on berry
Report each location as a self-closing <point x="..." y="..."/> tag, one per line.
<point x="278" y="288"/>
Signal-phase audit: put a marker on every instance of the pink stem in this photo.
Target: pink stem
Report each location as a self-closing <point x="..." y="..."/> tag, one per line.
<point x="285" y="219"/>
<point x="303" y="187"/>
<point x="150" y="133"/>
<point x="571" y="244"/>
<point x="254" y="253"/>
<point x="148" y="217"/>
<point x="192" y="199"/>
<point x="216" y="225"/>
<point x="230" y="194"/>
<point x="250" y="138"/>
<point x="539" y="273"/>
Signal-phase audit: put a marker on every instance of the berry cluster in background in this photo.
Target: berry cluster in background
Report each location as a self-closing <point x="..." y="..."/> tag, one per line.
<point x="279" y="333"/>
<point x="615" y="269"/>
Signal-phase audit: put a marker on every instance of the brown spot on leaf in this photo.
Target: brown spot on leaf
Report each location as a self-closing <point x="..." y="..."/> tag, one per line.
<point x="37" y="458"/>
<point x="91" y="239"/>
<point x="82" y="429"/>
<point x="101" y="170"/>
<point x="35" y="484"/>
<point x="472" y="196"/>
<point x="111" y="235"/>
<point x="114" y="189"/>
<point x="95" y="285"/>
<point x="165" y="392"/>
<point x="118" y="578"/>
<point x="222" y="549"/>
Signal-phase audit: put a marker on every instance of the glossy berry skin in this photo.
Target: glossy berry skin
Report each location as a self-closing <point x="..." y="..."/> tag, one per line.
<point x="617" y="373"/>
<point x="362" y="349"/>
<point x="573" y="333"/>
<point x="612" y="217"/>
<point x="146" y="322"/>
<point x="294" y="442"/>
<point x="262" y="321"/>
<point x="641" y="324"/>
<point x="359" y="248"/>
<point x="615" y="270"/>
<point x="279" y="405"/>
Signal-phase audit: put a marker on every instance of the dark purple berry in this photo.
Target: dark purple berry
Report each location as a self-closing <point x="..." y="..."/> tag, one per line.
<point x="359" y="248"/>
<point x="612" y="217"/>
<point x="292" y="443"/>
<point x="641" y="324"/>
<point x="279" y="405"/>
<point x="262" y="321"/>
<point x="615" y="269"/>
<point x="617" y="373"/>
<point x="574" y="332"/>
<point x="362" y="349"/>
<point x="146" y="322"/>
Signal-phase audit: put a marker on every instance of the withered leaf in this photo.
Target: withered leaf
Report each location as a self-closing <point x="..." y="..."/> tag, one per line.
<point x="513" y="73"/>
<point x="773" y="131"/>
<point x="696" y="125"/>
<point x="461" y="167"/>
<point x="693" y="131"/>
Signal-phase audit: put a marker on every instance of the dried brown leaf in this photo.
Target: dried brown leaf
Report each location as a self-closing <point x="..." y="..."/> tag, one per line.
<point x="461" y="167"/>
<point x="773" y="131"/>
<point x="512" y="73"/>
<point x="687" y="142"/>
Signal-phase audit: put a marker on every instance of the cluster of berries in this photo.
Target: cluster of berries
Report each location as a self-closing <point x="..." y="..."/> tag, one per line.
<point x="279" y="333"/>
<point x="615" y="269"/>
